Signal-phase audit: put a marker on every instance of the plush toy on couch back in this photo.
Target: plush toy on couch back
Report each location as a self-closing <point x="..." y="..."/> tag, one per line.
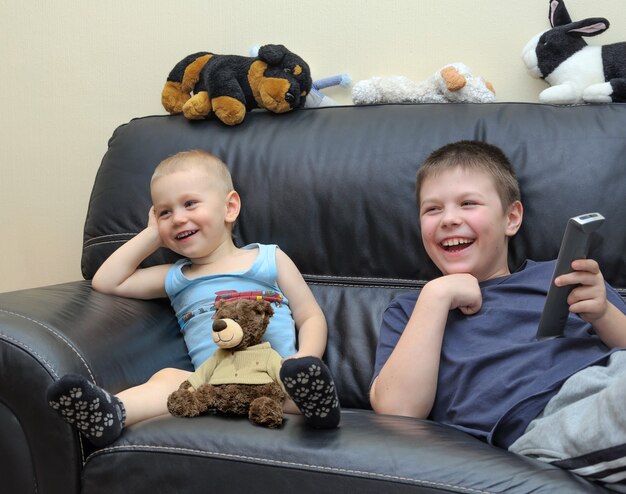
<point x="230" y="85"/>
<point x="576" y="71"/>
<point x="453" y="83"/>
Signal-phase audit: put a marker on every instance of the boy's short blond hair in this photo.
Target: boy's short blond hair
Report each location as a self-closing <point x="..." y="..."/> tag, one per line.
<point x="473" y="155"/>
<point x="196" y="158"/>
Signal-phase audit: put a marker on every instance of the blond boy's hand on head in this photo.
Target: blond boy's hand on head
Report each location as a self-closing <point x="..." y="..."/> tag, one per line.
<point x="152" y="228"/>
<point x="152" y="219"/>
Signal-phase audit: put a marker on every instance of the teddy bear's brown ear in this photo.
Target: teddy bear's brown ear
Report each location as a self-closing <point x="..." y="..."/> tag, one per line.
<point x="269" y="310"/>
<point x="218" y="305"/>
<point x="272" y="54"/>
<point x="263" y="307"/>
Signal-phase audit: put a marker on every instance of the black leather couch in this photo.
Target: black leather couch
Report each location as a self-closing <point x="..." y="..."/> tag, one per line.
<point x="334" y="187"/>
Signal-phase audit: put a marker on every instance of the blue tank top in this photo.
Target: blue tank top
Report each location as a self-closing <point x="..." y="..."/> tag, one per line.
<point x="494" y="376"/>
<point x="194" y="303"/>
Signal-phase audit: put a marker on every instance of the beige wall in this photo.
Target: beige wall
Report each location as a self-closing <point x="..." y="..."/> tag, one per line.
<point x="72" y="71"/>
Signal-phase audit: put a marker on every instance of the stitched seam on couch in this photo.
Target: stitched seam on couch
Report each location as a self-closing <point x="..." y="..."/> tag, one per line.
<point x="122" y="237"/>
<point x="355" y="281"/>
<point x="34" y="353"/>
<point x="253" y="459"/>
<point x="21" y="345"/>
<point x="45" y="363"/>
<point x="363" y="285"/>
<point x="332" y="277"/>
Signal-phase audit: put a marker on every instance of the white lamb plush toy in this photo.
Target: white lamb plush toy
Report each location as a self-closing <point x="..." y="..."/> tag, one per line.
<point x="454" y="83"/>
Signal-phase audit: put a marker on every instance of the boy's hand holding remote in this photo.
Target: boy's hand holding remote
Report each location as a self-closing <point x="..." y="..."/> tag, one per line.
<point x="589" y="301"/>
<point x="588" y="298"/>
<point x="574" y="246"/>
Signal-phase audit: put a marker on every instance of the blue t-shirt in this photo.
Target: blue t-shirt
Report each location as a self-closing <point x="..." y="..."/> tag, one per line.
<point x="194" y="303"/>
<point x="494" y="376"/>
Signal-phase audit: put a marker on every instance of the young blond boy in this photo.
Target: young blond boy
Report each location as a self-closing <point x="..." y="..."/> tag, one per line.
<point x="194" y="209"/>
<point x="463" y="352"/>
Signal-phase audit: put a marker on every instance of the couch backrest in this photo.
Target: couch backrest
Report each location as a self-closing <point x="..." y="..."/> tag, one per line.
<point x="334" y="187"/>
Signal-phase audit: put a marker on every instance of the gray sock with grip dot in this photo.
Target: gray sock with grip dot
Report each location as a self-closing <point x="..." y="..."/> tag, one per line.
<point x="310" y="385"/>
<point x="95" y="413"/>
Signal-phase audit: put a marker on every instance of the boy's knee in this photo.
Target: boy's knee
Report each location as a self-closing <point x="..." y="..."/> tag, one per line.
<point x="170" y="375"/>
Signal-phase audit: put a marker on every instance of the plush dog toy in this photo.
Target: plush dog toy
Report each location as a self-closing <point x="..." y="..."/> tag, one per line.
<point x="242" y="376"/>
<point x="454" y="83"/>
<point x="316" y="98"/>
<point x="575" y="71"/>
<point x="231" y="85"/>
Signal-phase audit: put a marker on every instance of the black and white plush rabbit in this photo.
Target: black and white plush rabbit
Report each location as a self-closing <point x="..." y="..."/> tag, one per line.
<point x="576" y="71"/>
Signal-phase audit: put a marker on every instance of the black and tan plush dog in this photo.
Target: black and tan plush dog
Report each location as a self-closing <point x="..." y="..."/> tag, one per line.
<point x="231" y="85"/>
<point x="243" y="375"/>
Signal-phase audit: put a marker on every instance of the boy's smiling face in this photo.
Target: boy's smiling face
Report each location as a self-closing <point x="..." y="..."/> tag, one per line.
<point x="193" y="212"/>
<point x="464" y="226"/>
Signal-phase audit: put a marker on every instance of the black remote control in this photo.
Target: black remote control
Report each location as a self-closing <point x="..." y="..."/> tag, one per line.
<point x="575" y="245"/>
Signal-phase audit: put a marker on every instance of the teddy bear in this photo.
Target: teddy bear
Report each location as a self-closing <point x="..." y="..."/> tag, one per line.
<point x="576" y="71"/>
<point x="453" y="83"/>
<point x="242" y="377"/>
<point x="231" y="85"/>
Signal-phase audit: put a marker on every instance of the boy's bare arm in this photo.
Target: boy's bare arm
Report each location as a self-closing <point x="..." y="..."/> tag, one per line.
<point x="407" y="383"/>
<point x="589" y="301"/>
<point x="120" y="275"/>
<point x="307" y="314"/>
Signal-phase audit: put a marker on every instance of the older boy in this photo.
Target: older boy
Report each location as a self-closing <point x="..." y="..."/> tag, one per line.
<point x="464" y="352"/>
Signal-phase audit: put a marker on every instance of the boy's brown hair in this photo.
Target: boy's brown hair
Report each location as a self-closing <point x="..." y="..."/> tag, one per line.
<point x="473" y="155"/>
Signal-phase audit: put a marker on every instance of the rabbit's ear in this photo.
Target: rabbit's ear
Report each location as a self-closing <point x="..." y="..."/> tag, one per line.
<point x="589" y="27"/>
<point x="558" y="14"/>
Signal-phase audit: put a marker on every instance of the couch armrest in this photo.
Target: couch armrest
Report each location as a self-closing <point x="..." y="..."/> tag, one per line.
<point x="50" y="331"/>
